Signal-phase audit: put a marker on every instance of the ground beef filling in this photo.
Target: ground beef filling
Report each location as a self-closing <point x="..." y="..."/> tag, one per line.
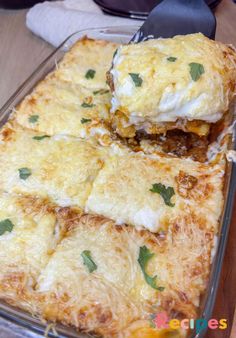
<point x="175" y="142"/>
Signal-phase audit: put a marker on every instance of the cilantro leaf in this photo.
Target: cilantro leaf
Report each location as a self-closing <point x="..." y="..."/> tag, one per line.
<point x="90" y="74"/>
<point x="24" y="173"/>
<point x="84" y="120"/>
<point x="101" y="91"/>
<point x="39" y="138"/>
<point x="166" y="193"/>
<point x="137" y="80"/>
<point x="87" y="260"/>
<point x="87" y="105"/>
<point x="172" y="59"/>
<point x="6" y="225"/>
<point x="144" y="256"/>
<point x="196" y="70"/>
<point x="33" y="118"/>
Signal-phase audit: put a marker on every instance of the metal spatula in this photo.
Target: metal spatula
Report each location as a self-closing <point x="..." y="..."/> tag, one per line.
<point x="173" y="17"/>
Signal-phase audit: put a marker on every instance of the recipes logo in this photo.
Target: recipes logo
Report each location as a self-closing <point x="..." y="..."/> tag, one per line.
<point x="161" y="321"/>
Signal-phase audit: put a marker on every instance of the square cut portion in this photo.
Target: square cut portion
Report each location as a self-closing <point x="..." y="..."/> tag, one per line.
<point x="59" y="168"/>
<point x="29" y="234"/>
<point x="149" y="192"/>
<point x="114" y="295"/>
<point x="87" y="62"/>
<point x="105" y="300"/>
<point x="65" y="108"/>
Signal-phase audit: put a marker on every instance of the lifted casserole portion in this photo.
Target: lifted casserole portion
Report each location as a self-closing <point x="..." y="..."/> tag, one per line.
<point x="186" y="82"/>
<point x="105" y="278"/>
<point x="60" y="168"/>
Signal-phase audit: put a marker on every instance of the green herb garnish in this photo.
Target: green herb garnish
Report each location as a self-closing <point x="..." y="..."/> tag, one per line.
<point x="84" y="120"/>
<point x="24" y="173"/>
<point x="115" y="52"/>
<point x="144" y="256"/>
<point x="39" y="138"/>
<point x="172" y="59"/>
<point x="33" y="118"/>
<point x="87" y="105"/>
<point x="87" y="260"/>
<point x="90" y="74"/>
<point x="6" y="225"/>
<point x="151" y="320"/>
<point x="196" y="70"/>
<point x="137" y="80"/>
<point x="166" y="193"/>
<point x="101" y="91"/>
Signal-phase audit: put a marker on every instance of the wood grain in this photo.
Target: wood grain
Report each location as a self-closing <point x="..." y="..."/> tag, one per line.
<point x="21" y="52"/>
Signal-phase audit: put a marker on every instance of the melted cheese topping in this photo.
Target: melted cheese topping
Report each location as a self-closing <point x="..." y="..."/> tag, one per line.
<point x="59" y="105"/>
<point x="84" y="55"/>
<point x="121" y="190"/>
<point x="115" y="295"/>
<point x="68" y="96"/>
<point x="168" y="92"/>
<point x="26" y="249"/>
<point x="61" y="168"/>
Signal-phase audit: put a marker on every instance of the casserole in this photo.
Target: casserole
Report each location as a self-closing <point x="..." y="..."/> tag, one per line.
<point x="44" y="69"/>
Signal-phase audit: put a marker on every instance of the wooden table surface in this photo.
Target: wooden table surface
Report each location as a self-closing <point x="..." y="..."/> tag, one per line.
<point x="21" y="52"/>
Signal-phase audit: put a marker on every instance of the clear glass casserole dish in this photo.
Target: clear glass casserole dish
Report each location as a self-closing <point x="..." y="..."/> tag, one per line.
<point x="120" y="35"/>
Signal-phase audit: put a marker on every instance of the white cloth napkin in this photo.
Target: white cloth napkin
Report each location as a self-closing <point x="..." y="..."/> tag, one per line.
<point x="55" y="21"/>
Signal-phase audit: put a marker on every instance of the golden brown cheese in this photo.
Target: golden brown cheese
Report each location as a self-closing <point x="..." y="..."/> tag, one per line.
<point x="122" y="190"/>
<point x="85" y="55"/>
<point x="59" y="167"/>
<point x="74" y="99"/>
<point x="115" y="296"/>
<point x="66" y="108"/>
<point x="162" y="84"/>
<point x="28" y="235"/>
<point x="114" y="299"/>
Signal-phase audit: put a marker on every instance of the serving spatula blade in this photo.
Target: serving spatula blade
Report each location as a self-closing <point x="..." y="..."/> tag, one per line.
<point x="177" y="17"/>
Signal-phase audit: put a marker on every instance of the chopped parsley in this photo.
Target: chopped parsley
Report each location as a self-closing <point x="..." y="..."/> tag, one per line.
<point x="137" y="80"/>
<point x="90" y="74"/>
<point x="88" y="261"/>
<point x="101" y="91"/>
<point x="115" y="52"/>
<point x="151" y="320"/>
<point x="144" y="256"/>
<point x="41" y="137"/>
<point x="172" y="59"/>
<point x="87" y="105"/>
<point x="6" y="225"/>
<point x="24" y="173"/>
<point x="33" y="118"/>
<point x="84" y="120"/>
<point x="166" y="193"/>
<point x="196" y="70"/>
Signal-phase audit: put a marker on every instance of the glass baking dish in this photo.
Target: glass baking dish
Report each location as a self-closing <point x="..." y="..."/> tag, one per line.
<point x="119" y="35"/>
